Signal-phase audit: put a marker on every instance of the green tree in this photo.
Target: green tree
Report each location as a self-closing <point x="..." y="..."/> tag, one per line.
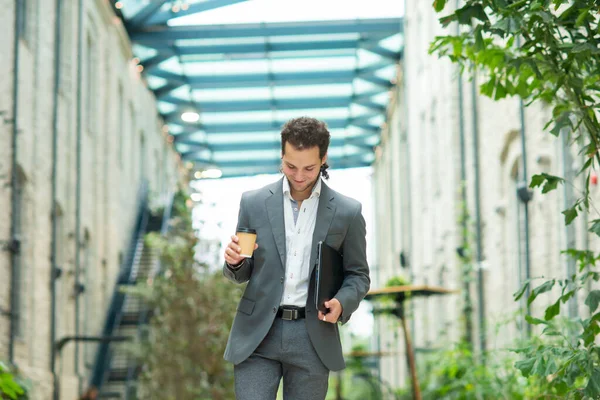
<point x="545" y="51"/>
<point x="192" y="311"/>
<point x="11" y="386"/>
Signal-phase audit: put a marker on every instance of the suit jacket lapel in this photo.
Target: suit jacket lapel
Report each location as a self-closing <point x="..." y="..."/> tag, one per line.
<point x="274" y="204"/>
<point x="325" y="214"/>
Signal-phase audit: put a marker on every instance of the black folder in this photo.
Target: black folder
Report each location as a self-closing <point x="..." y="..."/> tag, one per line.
<point x="330" y="275"/>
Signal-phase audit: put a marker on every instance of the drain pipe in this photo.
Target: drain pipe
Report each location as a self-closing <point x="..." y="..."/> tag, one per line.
<point x="571" y="267"/>
<point x="14" y="243"/>
<point x="525" y="195"/>
<point x="54" y="269"/>
<point x="79" y="130"/>
<point x="468" y="307"/>
<point x="405" y="136"/>
<point x="477" y="194"/>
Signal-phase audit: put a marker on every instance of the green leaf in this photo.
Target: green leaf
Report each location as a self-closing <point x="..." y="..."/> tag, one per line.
<point x="587" y="164"/>
<point x="543" y="288"/>
<point x="551" y="367"/>
<point x="550" y="182"/>
<point x="518" y="4"/>
<point x="595" y="227"/>
<point x="552" y="311"/>
<point x="468" y="12"/>
<point x="525" y="366"/>
<point x="561" y="122"/>
<point x="479" y="42"/>
<point x="521" y="291"/>
<point x="592" y="390"/>
<point x="593" y="299"/>
<point x="565" y="297"/>
<point x="583" y="16"/>
<point x="545" y="16"/>
<point x="500" y="92"/>
<point x="570" y="214"/>
<point x="581" y="47"/>
<point x="445" y="21"/>
<point x="439" y="5"/>
<point x="550" y="331"/>
<point x="535" y="321"/>
<point x="506" y="25"/>
<point x="487" y="89"/>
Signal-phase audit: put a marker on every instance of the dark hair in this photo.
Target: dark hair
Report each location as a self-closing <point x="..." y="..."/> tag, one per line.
<point x="304" y="133"/>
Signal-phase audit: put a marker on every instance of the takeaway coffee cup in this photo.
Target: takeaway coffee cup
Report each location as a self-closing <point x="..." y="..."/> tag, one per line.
<point x="247" y="239"/>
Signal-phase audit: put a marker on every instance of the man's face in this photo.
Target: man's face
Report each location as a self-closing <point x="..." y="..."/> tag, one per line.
<point x="302" y="167"/>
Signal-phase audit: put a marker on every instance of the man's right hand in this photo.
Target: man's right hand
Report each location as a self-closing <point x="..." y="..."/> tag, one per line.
<point x="232" y="252"/>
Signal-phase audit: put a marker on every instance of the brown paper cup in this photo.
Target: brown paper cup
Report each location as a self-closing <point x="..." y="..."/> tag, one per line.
<point x="247" y="239"/>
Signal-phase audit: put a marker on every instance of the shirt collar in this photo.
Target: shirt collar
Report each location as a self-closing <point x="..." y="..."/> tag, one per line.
<point x="316" y="190"/>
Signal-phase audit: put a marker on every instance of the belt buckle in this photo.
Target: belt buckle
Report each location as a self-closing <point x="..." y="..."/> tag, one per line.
<point x="289" y="315"/>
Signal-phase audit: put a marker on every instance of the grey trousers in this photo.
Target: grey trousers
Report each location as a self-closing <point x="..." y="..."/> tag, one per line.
<point x="285" y="352"/>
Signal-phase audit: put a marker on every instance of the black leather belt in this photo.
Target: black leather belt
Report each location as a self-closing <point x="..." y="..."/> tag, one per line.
<point x="290" y="313"/>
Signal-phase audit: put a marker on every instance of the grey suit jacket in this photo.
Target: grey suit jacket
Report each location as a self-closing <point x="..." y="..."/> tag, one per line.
<point x="341" y="225"/>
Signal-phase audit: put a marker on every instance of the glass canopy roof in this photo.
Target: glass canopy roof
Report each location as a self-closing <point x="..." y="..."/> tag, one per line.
<point x="226" y="89"/>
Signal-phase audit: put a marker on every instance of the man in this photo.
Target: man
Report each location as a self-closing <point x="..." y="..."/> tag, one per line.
<point x="277" y="331"/>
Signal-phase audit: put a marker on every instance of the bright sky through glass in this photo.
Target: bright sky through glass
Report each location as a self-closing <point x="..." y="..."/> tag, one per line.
<point x="257" y="11"/>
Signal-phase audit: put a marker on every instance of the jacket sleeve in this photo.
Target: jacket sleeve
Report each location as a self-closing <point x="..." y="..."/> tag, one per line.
<point x="242" y="272"/>
<point x="356" y="269"/>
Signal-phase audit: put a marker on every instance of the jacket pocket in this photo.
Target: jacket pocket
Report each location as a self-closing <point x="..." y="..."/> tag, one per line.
<point x="246" y="306"/>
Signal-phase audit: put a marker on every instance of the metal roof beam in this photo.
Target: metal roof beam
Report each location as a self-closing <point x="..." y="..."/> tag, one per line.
<point x="241" y="127"/>
<point x="373" y="68"/>
<point x="371" y="105"/>
<point x="277" y="78"/>
<point x="264" y="105"/>
<point x="252" y="48"/>
<point x="164" y="16"/>
<point x="383" y="52"/>
<point x="275" y="162"/>
<point x="375" y="80"/>
<point x="281" y="104"/>
<point x="166" y="89"/>
<point x="367" y="127"/>
<point x="157" y="34"/>
<point x="233" y="172"/>
<point x="154" y="61"/>
<point x="356" y="141"/>
<point x="145" y="13"/>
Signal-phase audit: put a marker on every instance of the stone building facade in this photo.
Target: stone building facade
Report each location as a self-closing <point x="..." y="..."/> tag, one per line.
<point x="418" y="202"/>
<point x="109" y="139"/>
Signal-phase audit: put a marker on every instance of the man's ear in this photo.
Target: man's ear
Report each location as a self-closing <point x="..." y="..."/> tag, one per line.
<point x="324" y="160"/>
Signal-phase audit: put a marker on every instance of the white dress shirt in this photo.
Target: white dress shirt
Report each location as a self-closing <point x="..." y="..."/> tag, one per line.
<point x="298" y="241"/>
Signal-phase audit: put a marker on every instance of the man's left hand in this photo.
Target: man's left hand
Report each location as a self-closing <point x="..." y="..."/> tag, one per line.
<point x="334" y="313"/>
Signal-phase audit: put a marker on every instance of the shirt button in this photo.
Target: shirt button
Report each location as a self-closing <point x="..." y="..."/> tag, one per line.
<point x="282" y="279"/>
<point x="274" y="310"/>
<point x="295" y="209"/>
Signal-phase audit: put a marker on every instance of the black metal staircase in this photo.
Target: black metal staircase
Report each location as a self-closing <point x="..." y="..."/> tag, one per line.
<point x="115" y="369"/>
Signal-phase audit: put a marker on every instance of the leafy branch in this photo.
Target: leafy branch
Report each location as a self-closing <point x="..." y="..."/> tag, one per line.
<point x="548" y="52"/>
